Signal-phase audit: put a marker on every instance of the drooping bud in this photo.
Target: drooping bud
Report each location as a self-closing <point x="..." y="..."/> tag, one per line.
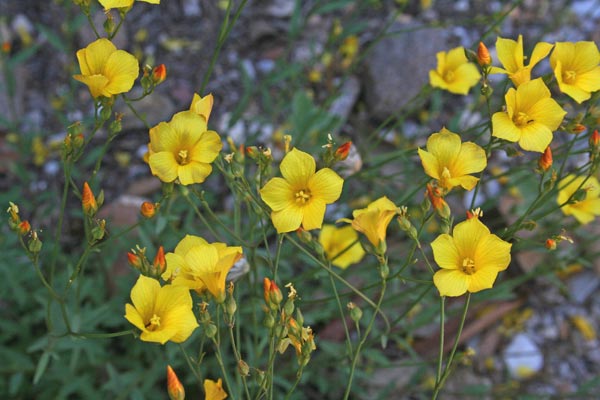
<point x="174" y="386"/>
<point x="148" y="210"/>
<point x="483" y="55"/>
<point x="88" y="200"/>
<point x="578" y="128"/>
<point x="437" y="201"/>
<point x="159" y="74"/>
<point x="545" y="161"/>
<point x="342" y="152"/>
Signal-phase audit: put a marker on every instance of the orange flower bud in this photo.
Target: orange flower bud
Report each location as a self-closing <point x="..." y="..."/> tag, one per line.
<point x="545" y="161"/>
<point x="148" y="209"/>
<point x="174" y="387"/>
<point x="578" y="128"/>
<point x="595" y="138"/>
<point x="159" y="74"/>
<point x="342" y="152"/>
<point x="24" y="227"/>
<point x="272" y="294"/>
<point x="88" y="201"/>
<point x="483" y="55"/>
<point x="134" y="260"/>
<point x="551" y="244"/>
<point x="160" y="264"/>
<point x="437" y="201"/>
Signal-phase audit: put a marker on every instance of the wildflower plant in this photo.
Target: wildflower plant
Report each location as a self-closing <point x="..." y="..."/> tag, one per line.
<point x="259" y="250"/>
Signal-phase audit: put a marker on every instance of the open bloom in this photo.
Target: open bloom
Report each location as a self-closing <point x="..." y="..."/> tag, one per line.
<point x="374" y="220"/>
<point x="108" y="4"/>
<point x="576" y="68"/>
<point x="214" y="390"/>
<point x="470" y="259"/>
<point x="450" y="161"/>
<point x="202" y="105"/>
<point x="530" y="118"/>
<point x="161" y="313"/>
<point x="341" y="245"/>
<point x="105" y="70"/>
<point x="299" y="198"/>
<point x="201" y="266"/>
<point x="584" y="209"/>
<point x="510" y="54"/>
<point x="454" y="72"/>
<point x="183" y="148"/>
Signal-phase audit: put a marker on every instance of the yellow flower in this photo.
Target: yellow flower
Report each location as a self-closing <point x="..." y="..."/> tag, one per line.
<point x="470" y="259"/>
<point x="450" y="161"/>
<point x="183" y="148"/>
<point x="300" y="197"/>
<point x="576" y="68"/>
<point x="454" y="72"/>
<point x="339" y="247"/>
<point x="530" y="118"/>
<point x="161" y="313"/>
<point x="106" y="70"/>
<point x="201" y="266"/>
<point x="202" y="105"/>
<point x="510" y="54"/>
<point x="583" y="209"/>
<point x="214" y="390"/>
<point x="108" y="4"/>
<point x="374" y="220"/>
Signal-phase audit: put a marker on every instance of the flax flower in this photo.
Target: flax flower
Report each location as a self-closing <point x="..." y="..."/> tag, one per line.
<point x="299" y="198"/>
<point x="586" y="209"/>
<point x="105" y="70"/>
<point x="374" y="220"/>
<point x="201" y="266"/>
<point x="576" y="69"/>
<point x="450" y="161"/>
<point x="530" y="118"/>
<point x="214" y="390"/>
<point x="454" y="72"/>
<point x="202" y="105"/>
<point x="510" y="54"/>
<point x="341" y="245"/>
<point x="470" y="259"/>
<point x="183" y="149"/>
<point x="108" y="4"/>
<point x="161" y="313"/>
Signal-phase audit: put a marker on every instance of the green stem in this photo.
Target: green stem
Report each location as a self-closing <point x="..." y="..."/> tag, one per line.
<point x="342" y="316"/>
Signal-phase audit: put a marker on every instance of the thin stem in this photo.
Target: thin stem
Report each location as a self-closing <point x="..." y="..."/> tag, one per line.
<point x="442" y="323"/>
<point x="342" y="316"/>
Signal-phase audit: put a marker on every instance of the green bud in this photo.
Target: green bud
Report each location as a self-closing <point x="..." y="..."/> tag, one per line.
<point x="355" y="312"/>
<point x="269" y="321"/>
<point x="210" y="330"/>
<point x="35" y="244"/>
<point x="288" y="308"/>
<point x="230" y="306"/>
<point x="243" y="368"/>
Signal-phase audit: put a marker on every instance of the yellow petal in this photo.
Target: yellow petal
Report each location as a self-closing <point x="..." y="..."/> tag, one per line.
<point x="278" y="194"/>
<point x="314" y="212"/>
<point x="175" y="264"/>
<point x="161" y="336"/>
<point x="451" y="282"/>
<point x="202" y="259"/>
<point x="297" y="167"/>
<point x="455" y="58"/>
<point x="590" y="80"/>
<point x="194" y="172"/>
<point x="467" y="182"/>
<point x="326" y="185"/>
<point x="187" y="243"/>
<point x="143" y="296"/>
<point x="492" y="252"/>
<point x="207" y="148"/>
<point x="163" y="138"/>
<point x="430" y="164"/>
<point x="471" y="158"/>
<point x="121" y="69"/>
<point x="96" y="83"/>
<point x="482" y="279"/>
<point x="288" y="219"/>
<point x="547" y="111"/>
<point x="183" y="319"/>
<point x="445" y="252"/>
<point x="189" y="128"/>
<point x="467" y="76"/>
<point x="93" y="58"/>
<point x="164" y="165"/>
<point x="445" y="146"/>
<point x="540" y="51"/>
<point x="108" y="4"/>
<point x="202" y="105"/>
<point x="133" y="316"/>
<point x="504" y="128"/>
<point x="509" y="54"/>
<point x="529" y="93"/>
<point x="467" y="235"/>
<point x="535" y="137"/>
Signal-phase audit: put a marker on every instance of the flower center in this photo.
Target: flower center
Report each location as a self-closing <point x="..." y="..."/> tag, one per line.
<point x="522" y="119"/>
<point x="182" y="157"/>
<point x="468" y="266"/>
<point x="569" y="77"/>
<point x="449" y="76"/>
<point x="302" y="196"/>
<point x="154" y="323"/>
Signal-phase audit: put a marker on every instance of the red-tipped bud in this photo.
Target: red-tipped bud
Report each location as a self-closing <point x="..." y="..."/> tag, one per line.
<point x="550" y="244"/>
<point x="545" y="161"/>
<point x="159" y="263"/>
<point x="578" y="128"/>
<point x="483" y="55"/>
<point x="476" y="213"/>
<point x="159" y="74"/>
<point x="134" y="260"/>
<point x="437" y="201"/>
<point x="272" y="294"/>
<point x="148" y="209"/>
<point x="174" y="386"/>
<point x="88" y="200"/>
<point x="595" y="138"/>
<point x="24" y="228"/>
<point x="342" y="152"/>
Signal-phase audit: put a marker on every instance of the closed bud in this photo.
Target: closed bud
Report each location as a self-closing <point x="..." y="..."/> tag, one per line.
<point x="35" y="244"/>
<point x="134" y="260"/>
<point x="174" y="386"/>
<point x="595" y="138"/>
<point x="159" y="263"/>
<point x="159" y="74"/>
<point x="578" y="128"/>
<point x="109" y="24"/>
<point x="483" y="55"/>
<point x="545" y="161"/>
<point x="269" y="321"/>
<point x="148" y="210"/>
<point x="14" y="220"/>
<point x="272" y="294"/>
<point x="355" y="312"/>
<point x="230" y="306"/>
<point x="24" y="228"/>
<point x="243" y="368"/>
<point x="99" y="230"/>
<point x="289" y="307"/>
<point x="434" y="195"/>
<point x="210" y="330"/>
<point x="551" y="244"/>
<point x="342" y="152"/>
<point x="88" y="200"/>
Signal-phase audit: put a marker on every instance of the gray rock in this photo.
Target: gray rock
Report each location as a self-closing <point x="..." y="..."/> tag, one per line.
<point x="582" y="285"/>
<point x="398" y="66"/>
<point x="523" y="357"/>
<point x="342" y="106"/>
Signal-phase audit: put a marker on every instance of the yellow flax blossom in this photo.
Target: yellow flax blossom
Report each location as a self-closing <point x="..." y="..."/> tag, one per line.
<point x="161" y="313"/>
<point x="108" y="4"/>
<point x="201" y="266"/>
<point x="374" y="220"/>
<point x="214" y="390"/>
<point x="105" y="70"/>
<point x="584" y="208"/>
<point x="576" y="68"/>
<point x="202" y="105"/>
<point x="450" y="161"/>
<point x="341" y="245"/>
<point x="299" y="198"/>
<point x="454" y="72"/>
<point x="530" y="118"/>
<point x="183" y="149"/>
<point x="470" y="259"/>
<point x="510" y="54"/>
